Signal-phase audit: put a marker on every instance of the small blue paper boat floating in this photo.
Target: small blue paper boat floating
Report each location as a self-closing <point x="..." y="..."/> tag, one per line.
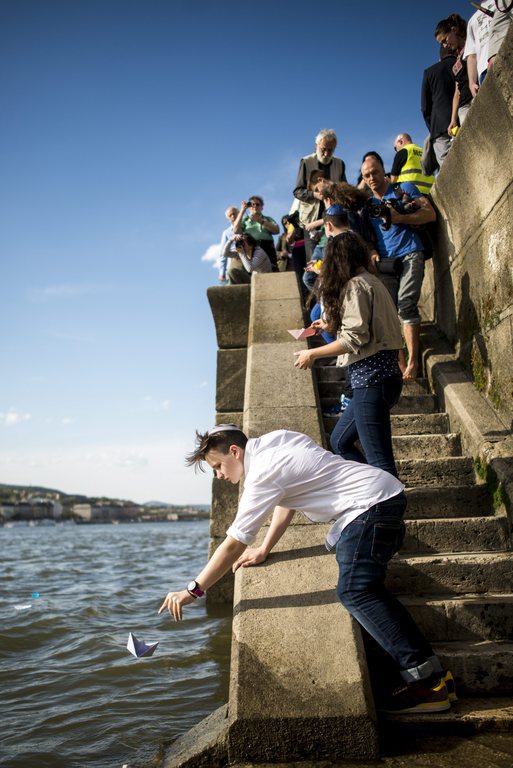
<point x="139" y="648"/>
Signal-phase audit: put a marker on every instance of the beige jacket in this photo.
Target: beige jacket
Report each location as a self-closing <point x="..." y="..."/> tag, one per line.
<point x="369" y="322"/>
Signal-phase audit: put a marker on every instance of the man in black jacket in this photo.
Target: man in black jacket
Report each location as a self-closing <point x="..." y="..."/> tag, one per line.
<point x="436" y="102"/>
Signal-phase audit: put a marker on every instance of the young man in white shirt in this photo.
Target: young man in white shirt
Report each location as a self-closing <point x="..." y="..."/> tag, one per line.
<point x="287" y="471"/>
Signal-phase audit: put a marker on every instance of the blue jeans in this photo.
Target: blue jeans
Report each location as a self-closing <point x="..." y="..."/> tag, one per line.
<point x="405" y="290"/>
<point x="367" y="418"/>
<point x="363" y="550"/>
<point x="309" y="278"/>
<point x="315" y="314"/>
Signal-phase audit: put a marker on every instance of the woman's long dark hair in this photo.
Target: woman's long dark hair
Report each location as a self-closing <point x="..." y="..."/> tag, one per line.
<point x="344" y="256"/>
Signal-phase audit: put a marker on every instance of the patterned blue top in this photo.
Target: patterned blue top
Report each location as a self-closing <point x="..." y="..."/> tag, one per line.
<point x="374" y="369"/>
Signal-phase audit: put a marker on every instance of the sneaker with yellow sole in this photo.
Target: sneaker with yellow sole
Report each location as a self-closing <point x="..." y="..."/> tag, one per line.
<point x="448" y="679"/>
<point x="417" y="698"/>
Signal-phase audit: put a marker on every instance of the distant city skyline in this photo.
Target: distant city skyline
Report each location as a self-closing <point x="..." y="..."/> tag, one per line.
<point x="128" y="128"/>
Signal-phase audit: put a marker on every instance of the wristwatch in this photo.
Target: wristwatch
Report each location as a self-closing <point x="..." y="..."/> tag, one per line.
<point x="194" y="589"/>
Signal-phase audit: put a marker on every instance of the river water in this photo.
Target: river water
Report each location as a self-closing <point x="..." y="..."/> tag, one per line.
<point x="71" y="695"/>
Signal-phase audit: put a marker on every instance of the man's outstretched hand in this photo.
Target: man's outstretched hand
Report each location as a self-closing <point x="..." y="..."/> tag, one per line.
<point x="175" y="601"/>
<point x="249" y="557"/>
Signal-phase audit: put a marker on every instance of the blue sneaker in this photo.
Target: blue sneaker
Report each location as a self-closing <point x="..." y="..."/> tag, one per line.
<point x="344" y="402"/>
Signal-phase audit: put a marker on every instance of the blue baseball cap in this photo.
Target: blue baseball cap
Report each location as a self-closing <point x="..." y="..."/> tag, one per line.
<point x="336" y="210"/>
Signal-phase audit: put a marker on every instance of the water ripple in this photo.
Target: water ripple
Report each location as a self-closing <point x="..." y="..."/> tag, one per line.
<point x="72" y="695"/>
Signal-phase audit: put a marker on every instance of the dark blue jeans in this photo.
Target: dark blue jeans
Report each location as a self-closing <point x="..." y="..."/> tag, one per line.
<point x="363" y="550"/>
<point x="367" y="419"/>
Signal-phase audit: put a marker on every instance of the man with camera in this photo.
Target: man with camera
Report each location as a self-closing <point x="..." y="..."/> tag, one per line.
<point x="261" y="227"/>
<point x="401" y="250"/>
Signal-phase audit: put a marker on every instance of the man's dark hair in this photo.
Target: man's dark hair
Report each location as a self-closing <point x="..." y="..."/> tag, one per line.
<point x="338" y="220"/>
<point x="315" y="176"/>
<point x="216" y="440"/>
<point x="256" y="197"/>
<point x="375" y="155"/>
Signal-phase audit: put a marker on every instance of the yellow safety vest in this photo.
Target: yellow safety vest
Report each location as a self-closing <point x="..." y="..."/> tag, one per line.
<point x="412" y="170"/>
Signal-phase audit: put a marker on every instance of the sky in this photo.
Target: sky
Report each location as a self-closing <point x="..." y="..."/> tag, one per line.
<point x="128" y="127"/>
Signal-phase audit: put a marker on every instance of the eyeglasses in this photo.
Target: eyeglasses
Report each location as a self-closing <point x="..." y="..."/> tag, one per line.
<point x="254" y="204"/>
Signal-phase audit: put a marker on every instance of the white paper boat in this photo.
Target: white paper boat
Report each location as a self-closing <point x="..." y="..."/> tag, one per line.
<point x="139" y="648"/>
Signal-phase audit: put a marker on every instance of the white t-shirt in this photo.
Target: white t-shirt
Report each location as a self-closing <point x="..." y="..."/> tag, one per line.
<point x="478" y="30"/>
<point x="289" y="469"/>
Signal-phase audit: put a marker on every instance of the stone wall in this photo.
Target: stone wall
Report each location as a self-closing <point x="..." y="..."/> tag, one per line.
<point x="230" y="310"/>
<point x="468" y="290"/>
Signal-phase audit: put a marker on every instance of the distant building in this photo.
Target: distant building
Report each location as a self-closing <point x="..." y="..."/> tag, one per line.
<point x="104" y="512"/>
<point x="32" y="509"/>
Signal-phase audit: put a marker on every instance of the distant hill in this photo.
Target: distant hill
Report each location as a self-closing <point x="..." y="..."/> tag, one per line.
<point x="9" y="494"/>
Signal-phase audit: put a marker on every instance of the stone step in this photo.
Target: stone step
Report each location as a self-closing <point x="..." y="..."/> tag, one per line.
<point x="464" y="534"/>
<point x="465" y="717"/>
<point x="419" y="423"/>
<point x="416" y="404"/>
<point x="465" y="617"/>
<point x="448" y="501"/>
<point x="407" y="424"/>
<point x="426" y="446"/>
<point x="451" y="574"/>
<point x="480" y="669"/>
<point x="329" y="384"/>
<point x="408" y="404"/>
<point x="328" y="374"/>
<point x="418" y="387"/>
<point x="453" y="470"/>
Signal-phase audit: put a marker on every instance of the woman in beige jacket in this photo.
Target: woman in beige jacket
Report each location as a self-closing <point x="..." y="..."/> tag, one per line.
<point x="359" y="309"/>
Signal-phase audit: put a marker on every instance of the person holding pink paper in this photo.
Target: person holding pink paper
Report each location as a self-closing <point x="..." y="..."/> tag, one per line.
<point x="358" y="308"/>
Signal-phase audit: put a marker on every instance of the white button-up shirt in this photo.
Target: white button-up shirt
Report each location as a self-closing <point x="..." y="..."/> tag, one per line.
<point x="290" y="470"/>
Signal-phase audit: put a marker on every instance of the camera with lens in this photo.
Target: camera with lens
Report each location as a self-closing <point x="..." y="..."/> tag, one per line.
<point x="402" y="203"/>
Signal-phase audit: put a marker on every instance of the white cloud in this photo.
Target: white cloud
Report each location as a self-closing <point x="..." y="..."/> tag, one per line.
<point x="157" y="406"/>
<point x="68" y="290"/>
<point x="212" y="254"/>
<point x="12" y="417"/>
<point x="141" y="472"/>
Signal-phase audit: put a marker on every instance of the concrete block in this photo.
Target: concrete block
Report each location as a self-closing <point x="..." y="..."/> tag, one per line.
<point x="204" y="746"/>
<point x="273" y="381"/>
<point x="230" y="310"/>
<point x="288" y="699"/>
<point x="220" y="593"/>
<point x="225" y="499"/>
<point x="275" y="317"/>
<point x="277" y="285"/>
<point x="229" y="417"/>
<point x="257" y="421"/>
<point x="231" y="379"/>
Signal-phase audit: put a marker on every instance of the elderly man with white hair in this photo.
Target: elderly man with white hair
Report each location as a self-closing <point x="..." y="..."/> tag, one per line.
<point x="333" y="168"/>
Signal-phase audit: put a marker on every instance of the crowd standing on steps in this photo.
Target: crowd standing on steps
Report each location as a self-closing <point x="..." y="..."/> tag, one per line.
<point x="358" y="253"/>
